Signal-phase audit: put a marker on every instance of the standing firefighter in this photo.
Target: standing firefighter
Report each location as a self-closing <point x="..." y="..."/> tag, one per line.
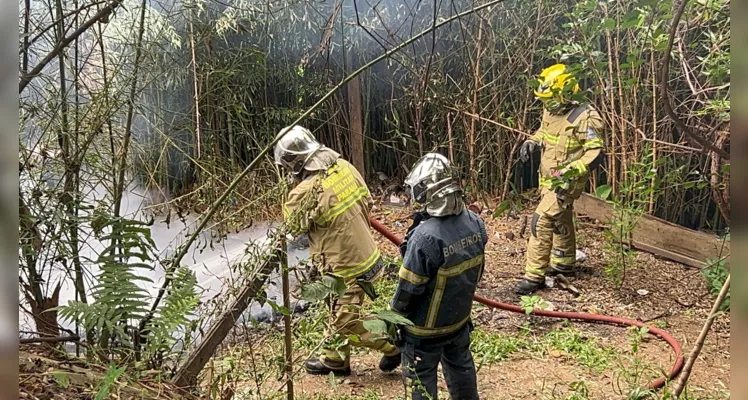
<point x="569" y="137"/>
<point x="331" y="203"/>
<point x="442" y="264"/>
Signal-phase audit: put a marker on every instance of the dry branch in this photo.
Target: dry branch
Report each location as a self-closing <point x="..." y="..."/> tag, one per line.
<point x="102" y="15"/>
<point x="56" y="339"/>
<point x="665" y="91"/>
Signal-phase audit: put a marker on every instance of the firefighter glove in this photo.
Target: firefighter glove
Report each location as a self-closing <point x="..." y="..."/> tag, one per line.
<point x="528" y="147"/>
<point x="417" y="219"/>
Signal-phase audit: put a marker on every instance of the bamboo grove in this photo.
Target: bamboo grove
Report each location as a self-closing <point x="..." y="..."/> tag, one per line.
<point x="242" y="72"/>
<point x="177" y="98"/>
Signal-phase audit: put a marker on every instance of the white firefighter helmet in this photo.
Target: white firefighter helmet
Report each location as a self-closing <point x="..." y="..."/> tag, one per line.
<point x="294" y="149"/>
<point x="431" y="180"/>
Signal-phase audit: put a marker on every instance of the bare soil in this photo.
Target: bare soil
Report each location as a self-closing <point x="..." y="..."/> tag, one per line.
<point x="670" y="296"/>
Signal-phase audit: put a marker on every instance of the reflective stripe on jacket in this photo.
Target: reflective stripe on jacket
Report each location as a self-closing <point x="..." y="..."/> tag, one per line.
<point x="442" y="265"/>
<point x="569" y="140"/>
<point x="333" y="207"/>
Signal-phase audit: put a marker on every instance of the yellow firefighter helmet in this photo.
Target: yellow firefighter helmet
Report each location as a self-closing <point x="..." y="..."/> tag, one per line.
<point x="557" y="84"/>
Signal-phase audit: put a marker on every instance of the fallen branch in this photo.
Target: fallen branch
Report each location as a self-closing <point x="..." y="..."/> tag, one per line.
<point x="686" y="373"/>
<point x="187" y="373"/>
<point x="665" y="91"/>
<point x="56" y="339"/>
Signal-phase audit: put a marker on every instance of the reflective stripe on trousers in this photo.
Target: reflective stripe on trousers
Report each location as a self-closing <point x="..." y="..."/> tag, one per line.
<point x="552" y="237"/>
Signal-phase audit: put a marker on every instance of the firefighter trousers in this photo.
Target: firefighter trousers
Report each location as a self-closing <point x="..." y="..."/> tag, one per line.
<point x="420" y="362"/>
<point x="552" y="238"/>
<point x="347" y="322"/>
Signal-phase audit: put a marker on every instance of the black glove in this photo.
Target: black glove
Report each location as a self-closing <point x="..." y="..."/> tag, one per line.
<point x="528" y="147"/>
<point x="417" y="219"/>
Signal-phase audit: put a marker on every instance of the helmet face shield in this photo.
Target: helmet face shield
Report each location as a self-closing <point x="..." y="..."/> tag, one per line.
<point x="295" y="146"/>
<point x="431" y="178"/>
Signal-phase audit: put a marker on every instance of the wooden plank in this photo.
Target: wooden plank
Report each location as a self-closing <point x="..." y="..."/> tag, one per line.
<point x="679" y="258"/>
<point x="660" y="237"/>
<point x="187" y="374"/>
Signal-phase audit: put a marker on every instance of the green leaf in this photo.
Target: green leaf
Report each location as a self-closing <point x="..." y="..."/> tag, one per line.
<point x="314" y="291"/>
<point x="106" y="385"/>
<point x="375" y="326"/>
<point x="503" y="206"/>
<point x="603" y="191"/>
<point x="335" y="284"/>
<point x="609" y="23"/>
<point x="392" y="317"/>
<point x="278" y="308"/>
<point x="631" y="20"/>
<point x="61" y="378"/>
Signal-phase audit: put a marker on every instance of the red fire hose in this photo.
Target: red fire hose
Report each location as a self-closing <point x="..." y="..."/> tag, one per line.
<point x="655" y="384"/>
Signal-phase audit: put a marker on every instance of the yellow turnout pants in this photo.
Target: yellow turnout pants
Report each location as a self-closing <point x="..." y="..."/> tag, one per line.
<point x="552" y="237"/>
<point x="346" y="320"/>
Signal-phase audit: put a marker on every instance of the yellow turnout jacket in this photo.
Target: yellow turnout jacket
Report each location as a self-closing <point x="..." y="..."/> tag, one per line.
<point x="333" y="207"/>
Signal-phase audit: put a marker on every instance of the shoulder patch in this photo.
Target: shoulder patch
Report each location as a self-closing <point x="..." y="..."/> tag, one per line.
<point x="591" y="133"/>
<point x="576" y="113"/>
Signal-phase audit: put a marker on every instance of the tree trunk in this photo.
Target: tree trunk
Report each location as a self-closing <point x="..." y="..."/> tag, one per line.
<point x="44" y="317"/>
<point x="717" y="178"/>
<point x="356" y="128"/>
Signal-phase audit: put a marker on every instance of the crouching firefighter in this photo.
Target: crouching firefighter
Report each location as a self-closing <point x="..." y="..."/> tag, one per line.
<point x="569" y="137"/>
<point x="442" y="264"/>
<point x="331" y="203"/>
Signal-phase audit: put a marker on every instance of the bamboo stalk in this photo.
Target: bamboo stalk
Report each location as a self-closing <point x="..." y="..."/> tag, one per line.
<point x="120" y="182"/>
<point x="691" y="360"/>
<point x="288" y="330"/>
<point x="654" y="132"/>
<point x="196" y="91"/>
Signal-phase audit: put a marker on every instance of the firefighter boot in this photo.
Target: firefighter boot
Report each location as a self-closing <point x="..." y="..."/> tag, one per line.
<point x="560" y="269"/>
<point x="527" y="286"/>
<point x="389" y="363"/>
<point x="316" y="366"/>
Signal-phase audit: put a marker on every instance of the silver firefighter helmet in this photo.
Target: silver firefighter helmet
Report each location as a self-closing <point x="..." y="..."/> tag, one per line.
<point x="431" y="180"/>
<point x="295" y="147"/>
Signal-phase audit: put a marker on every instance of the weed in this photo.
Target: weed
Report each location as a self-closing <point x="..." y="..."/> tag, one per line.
<point x="635" y="337"/>
<point x="632" y="371"/>
<point x="716" y="273"/>
<point x="660" y="324"/>
<point x="309" y="329"/>
<point x="368" y="395"/>
<point x="584" y="350"/>
<point x="492" y="347"/>
<point x="579" y="391"/>
<point x="530" y="303"/>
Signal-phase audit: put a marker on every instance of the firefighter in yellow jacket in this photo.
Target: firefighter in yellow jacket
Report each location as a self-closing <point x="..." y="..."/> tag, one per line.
<point x="331" y="203"/>
<point x="571" y="146"/>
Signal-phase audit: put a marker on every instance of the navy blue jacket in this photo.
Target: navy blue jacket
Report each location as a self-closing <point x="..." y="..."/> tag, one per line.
<point x="442" y="265"/>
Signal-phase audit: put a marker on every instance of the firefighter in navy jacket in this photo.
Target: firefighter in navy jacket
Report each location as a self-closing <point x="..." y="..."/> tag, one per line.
<point x="443" y="260"/>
